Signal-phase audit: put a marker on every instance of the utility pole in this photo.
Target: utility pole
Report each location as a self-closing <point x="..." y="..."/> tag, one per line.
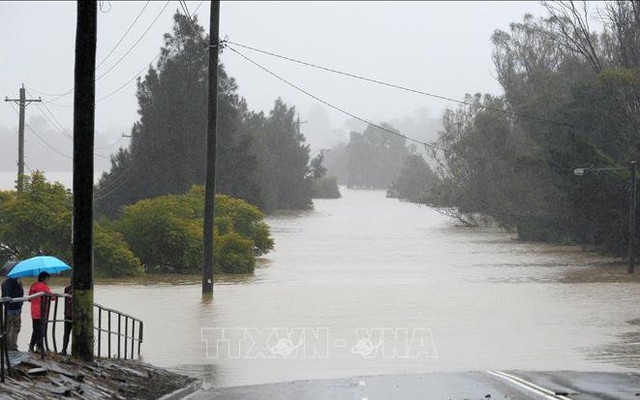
<point x="22" y="102"/>
<point x="632" y="217"/>
<point x="83" y="141"/>
<point x="210" y="180"/>
<point x="298" y="122"/>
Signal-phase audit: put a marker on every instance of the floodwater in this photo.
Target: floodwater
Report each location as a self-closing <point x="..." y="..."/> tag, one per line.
<point x="431" y="297"/>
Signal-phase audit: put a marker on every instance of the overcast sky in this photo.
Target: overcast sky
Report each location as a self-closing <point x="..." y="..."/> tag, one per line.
<point x="439" y="47"/>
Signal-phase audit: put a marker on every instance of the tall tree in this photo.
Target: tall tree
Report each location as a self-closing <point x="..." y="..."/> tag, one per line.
<point x="284" y="160"/>
<point x="167" y="152"/>
<point x="374" y="157"/>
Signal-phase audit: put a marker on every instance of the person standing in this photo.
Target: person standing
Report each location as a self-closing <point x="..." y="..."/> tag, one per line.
<point x="12" y="287"/>
<point x="39" y="327"/>
<point x="68" y="318"/>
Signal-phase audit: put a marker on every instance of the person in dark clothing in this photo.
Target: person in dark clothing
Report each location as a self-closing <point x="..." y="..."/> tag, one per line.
<point x="68" y="319"/>
<point x="12" y="287"/>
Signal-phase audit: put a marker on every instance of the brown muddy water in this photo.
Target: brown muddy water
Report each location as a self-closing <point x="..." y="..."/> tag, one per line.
<point x="435" y="296"/>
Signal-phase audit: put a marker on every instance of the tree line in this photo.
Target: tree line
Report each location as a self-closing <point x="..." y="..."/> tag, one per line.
<point x="262" y="159"/>
<point x="571" y="100"/>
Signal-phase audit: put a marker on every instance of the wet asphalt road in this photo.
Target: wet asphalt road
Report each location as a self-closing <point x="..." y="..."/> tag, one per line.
<point x="563" y="385"/>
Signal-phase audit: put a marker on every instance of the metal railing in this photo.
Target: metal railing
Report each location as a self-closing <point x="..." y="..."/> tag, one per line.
<point x="126" y="340"/>
<point x="117" y="329"/>
<point x="4" y="353"/>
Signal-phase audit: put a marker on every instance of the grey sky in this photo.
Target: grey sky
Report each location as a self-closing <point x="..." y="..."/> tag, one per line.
<point x="439" y="47"/>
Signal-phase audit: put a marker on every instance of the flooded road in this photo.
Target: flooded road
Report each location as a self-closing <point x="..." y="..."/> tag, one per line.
<point x="369" y="267"/>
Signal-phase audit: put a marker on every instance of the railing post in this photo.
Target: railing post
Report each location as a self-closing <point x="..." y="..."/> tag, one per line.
<point x="99" y="330"/>
<point x="133" y="337"/>
<point x="119" y="324"/>
<point x="126" y="328"/>
<point x="140" y="338"/>
<point x="53" y="329"/>
<point x="3" y="345"/>
<point x="43" y="334"/>
<point x="126" y="350"/>
<point x="109" y="328"/>
<point x="3" y="326"/>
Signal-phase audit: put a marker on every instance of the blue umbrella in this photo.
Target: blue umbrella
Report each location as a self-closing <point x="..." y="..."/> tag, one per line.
<point x="33" y="266"/>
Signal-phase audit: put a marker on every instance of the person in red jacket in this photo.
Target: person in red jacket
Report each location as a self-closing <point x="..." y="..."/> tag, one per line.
<point x="39" y="327"/>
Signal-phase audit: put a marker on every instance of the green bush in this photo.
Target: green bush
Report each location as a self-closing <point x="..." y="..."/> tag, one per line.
<point x="38" y="221"/>
<point x="166" y="233"/>
<point x="234" y="254"/>
<point x="112" y="256"/>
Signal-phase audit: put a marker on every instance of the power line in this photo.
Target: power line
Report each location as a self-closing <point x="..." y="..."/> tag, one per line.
<point x="41" y="139"/>
<point x="120" y="180"/>
<point x="47" y="144"/>
<point x="148" y="63"/>
<point x="131" y="171"/>
<point x="404" y="88"/>
<point x="124" y="35"/>
<point x="198" y="7"/>
<point x="135" y="44"/>
<point x="425" y="144"/>
<point x="104" y="58"/>
<point x="120" y="59"/>
<point x="190" y="20"/>
<point x="57" y="125"/>
<point x="130" y="80"/>
<point x="393" y="132"/>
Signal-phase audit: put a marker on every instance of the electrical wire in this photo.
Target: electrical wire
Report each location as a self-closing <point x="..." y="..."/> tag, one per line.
<point x="147" y="64"/>
<point x="426" y="145"/>
<point x="135" y="44"/>
<point x="195" y="10"/>
<point x="130" y="80"/>
<point x="125" y="175"/>
<point x="55" y="124"/>
<point x="190" y="19"/>
<point x="40" y="137"/>
<point x="120" y="180"/>
<point x="119" y="60"/>
<point x="404" y="88"/>
<point x="58" y="125"/>
<point x="124" y="35"/>
<point x="341" y="110"/>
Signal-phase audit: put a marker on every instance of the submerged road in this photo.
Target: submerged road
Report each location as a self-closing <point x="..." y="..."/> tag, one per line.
<point x="518" y="385"/>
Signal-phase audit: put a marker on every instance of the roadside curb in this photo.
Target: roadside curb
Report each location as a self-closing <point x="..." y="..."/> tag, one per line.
<point x="183" y="392"/>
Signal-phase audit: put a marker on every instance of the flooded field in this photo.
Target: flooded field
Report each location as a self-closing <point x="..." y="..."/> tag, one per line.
<point x="436" y="297"/>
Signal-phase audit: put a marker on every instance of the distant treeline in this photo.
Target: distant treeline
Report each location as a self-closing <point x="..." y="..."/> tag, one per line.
<point x="571" y="100"/>
<point x="262" y="159"/>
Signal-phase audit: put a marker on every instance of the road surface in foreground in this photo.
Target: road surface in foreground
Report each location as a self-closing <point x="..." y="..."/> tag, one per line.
<point x="564" y="385"/>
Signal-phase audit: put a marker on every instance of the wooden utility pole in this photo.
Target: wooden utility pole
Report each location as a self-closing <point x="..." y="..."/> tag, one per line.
<point x="210" y="180"/>
<point x="632" y="218"/>
<point x="83" y="138"/>
<point x="22" y="102"/>
<point x="298" y="122"/>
